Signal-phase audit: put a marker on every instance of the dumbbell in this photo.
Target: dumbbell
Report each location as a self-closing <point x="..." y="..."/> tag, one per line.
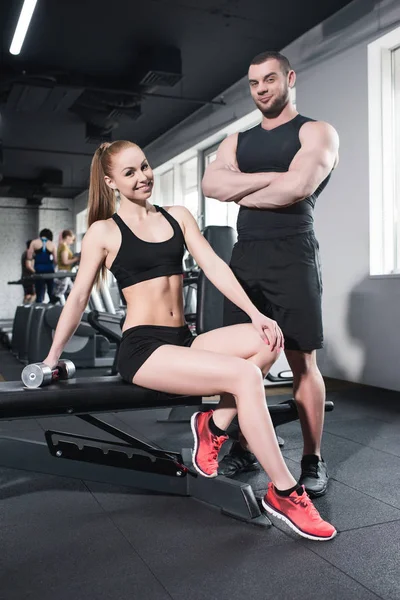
<point x="39" y="374"/>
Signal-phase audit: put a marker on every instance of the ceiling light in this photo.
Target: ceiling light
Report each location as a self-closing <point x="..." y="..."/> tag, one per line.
<point x="22" y="26"/>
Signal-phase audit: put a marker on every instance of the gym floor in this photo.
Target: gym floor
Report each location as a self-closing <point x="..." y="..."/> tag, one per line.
<point x="70" y="539"/>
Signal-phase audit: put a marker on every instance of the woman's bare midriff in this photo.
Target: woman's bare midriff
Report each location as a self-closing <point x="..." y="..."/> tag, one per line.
<point x="158" y="301"/>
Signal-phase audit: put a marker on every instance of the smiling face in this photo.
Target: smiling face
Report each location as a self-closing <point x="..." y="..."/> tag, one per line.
<point x="131" y="174"/>
<point x="69" y="240"/>
<point x="269" y="87"/>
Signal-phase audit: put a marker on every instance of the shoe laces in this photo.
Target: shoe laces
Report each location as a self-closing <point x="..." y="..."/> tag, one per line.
<point x="305" y="502"/>
<point x="310" y="469"/>
<point x="217" y="441"/>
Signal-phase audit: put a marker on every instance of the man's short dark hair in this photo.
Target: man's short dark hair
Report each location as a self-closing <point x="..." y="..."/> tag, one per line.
<point x="270" y="54"/>
<point x="46" y="233"/>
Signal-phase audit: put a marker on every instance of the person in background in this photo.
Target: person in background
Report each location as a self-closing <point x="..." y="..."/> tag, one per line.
<point x="65" y="261"/>
<point x="42" y="253"/>
<point x="26" y="270"/>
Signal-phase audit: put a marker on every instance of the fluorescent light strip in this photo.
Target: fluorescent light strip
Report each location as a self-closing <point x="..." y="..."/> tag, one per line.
<point x="22" y="26"/>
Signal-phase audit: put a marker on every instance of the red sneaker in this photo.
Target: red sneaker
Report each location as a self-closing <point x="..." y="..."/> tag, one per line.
<point x="206" y="445"/>
<point x="299" y="513"/>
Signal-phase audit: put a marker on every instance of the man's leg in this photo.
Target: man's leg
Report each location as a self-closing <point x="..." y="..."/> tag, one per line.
<point x="244" y="258"/>
<point x="293" y="298"/>
<point x="309" y="394"/>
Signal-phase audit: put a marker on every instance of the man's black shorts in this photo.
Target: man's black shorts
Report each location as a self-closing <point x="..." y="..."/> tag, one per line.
<point x="282" y="277"/>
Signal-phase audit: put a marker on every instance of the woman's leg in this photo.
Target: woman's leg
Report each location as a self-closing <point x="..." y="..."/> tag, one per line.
<point x="242" y="341"/>
<point x="180" y="370"/>
<point x="50" y="287"/>
<point x="40" y="290"/>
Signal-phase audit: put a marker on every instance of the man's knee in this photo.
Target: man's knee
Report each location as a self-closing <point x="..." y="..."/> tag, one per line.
<point x="302" y="364"/>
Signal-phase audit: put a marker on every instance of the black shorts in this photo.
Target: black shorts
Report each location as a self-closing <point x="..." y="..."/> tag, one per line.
<point x="29" y="289"/>
<point x="282" y="277"/>
<point x="139" y="342"/>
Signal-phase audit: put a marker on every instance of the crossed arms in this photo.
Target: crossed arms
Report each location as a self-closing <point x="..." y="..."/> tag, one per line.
<point x="314" y="161"/>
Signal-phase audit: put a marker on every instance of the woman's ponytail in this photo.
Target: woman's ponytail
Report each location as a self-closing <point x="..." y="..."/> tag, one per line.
<point x="101" y="203"/>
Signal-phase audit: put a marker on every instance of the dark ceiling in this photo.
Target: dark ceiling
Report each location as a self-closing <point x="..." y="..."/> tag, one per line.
<point x="91" y="70"/>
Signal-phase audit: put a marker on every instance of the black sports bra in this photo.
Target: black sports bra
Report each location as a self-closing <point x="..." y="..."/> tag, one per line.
<point x="138" y="260"/>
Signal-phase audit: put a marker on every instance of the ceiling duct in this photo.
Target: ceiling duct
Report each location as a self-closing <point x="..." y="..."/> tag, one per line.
<point x="33" y="98"/>
<point x="159" y="65"/>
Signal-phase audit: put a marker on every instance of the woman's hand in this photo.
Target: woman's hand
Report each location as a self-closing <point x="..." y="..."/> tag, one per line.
<point x="269" y="330"/>
<point x="51" y="361"/>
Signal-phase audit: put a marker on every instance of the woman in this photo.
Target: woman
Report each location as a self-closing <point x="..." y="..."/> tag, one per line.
<point x="42" y="251"/>
<point x="143" y="246"/>
<point x="65" y="261"/>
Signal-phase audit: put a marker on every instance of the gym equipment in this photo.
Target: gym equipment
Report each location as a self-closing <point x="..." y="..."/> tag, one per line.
<point x="40" y="374"/>
<point x="210" y="301"/>
<point x="85" y="349"/>
<point x="6" y="326"/>
<point x="109" y="325"/>
<point x="129" y="461"/>
<point x="21" y="331"/>
<point x="41" y="276"/>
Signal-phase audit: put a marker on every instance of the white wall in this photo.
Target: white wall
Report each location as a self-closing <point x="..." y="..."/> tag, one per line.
<point x="17" y="225"/>
<point x="361" y="314"/>
<point x="56" y="214"/>
<point x="80" y="203"/>
<point x="342" y="212"/>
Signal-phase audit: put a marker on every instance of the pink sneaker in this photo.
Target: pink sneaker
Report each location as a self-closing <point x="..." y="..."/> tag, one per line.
<point x="206" y="445"/>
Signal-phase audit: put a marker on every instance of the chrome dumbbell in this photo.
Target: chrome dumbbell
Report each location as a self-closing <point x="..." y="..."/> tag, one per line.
<point x="39" y="374"/>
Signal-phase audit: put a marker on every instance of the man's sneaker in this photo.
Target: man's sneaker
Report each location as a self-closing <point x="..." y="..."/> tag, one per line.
<point x="314" y="475"/>
<point x="238" y="460"/>
<point x="206" y="445"/>
<point x="299" y="513"/>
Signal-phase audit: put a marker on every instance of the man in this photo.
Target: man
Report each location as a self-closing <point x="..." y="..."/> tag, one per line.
<point x="26" y="270"/>
<point x="275" y="172"/>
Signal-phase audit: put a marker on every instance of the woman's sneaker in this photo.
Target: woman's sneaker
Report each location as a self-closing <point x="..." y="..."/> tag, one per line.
<point x="206" y="445"/>
<point x="299" y="513"/>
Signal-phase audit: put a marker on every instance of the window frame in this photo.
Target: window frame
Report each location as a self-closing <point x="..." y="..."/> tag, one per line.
<point x="384" y="206"/>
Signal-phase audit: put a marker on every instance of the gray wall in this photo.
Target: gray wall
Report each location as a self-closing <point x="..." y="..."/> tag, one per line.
<point x="17" y="225"/>
<point x="361" y="314"/>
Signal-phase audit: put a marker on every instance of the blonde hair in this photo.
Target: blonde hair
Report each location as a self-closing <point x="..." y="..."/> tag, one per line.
<point x="101" y="203"/>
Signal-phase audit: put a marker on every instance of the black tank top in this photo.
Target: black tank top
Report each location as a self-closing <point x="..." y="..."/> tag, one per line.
<point x="138" y="260"/>
<point x="43" y="258"/>
<point x="259" y="150"/>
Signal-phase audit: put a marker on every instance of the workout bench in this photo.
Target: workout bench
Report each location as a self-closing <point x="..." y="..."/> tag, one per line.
<point x="128" y="461"/>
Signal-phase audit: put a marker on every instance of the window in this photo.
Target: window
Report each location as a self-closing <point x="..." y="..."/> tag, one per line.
<point x="178" y="181"/>
<point x="218" y="213"/>
<point x="190" y="185"/>
<point x="166" y="194"/>
<point x="384" y="153"/>
<point x="81" y="227"/>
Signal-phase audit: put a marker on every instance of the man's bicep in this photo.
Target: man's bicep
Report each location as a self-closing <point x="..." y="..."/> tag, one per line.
<point x="226" y="153"/>
<point x="319" y="148"/>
